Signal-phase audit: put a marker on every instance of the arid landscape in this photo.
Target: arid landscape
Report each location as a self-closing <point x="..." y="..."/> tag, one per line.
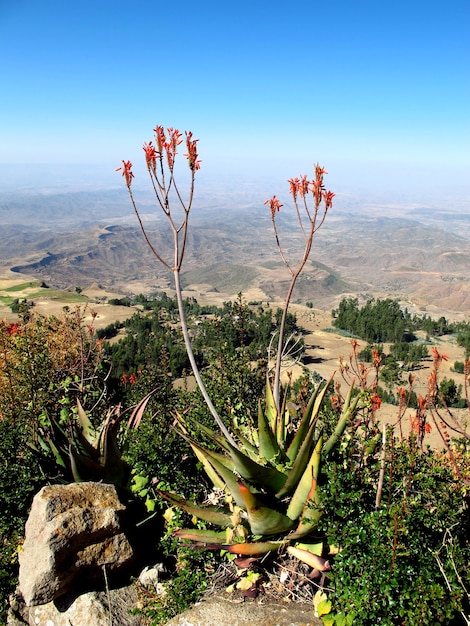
<point x="88" y="248"/>
<point x="416" y="253"/>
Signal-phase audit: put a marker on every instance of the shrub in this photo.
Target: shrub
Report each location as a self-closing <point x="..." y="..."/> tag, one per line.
<point x="405" y="561"/>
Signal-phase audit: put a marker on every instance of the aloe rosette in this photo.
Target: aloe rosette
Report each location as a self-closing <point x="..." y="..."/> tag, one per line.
<point x="272" y="499"/>
<point x="86" y="452"/>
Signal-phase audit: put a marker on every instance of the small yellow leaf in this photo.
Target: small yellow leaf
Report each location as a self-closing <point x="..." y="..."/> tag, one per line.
<point x="244" y="584"/>
<point x="321" y="603"/>
<point x="323" y="608"/>
<point x="169" y="514"/>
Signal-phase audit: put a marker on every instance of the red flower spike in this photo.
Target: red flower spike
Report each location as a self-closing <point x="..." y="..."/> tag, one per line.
<point x="303" y="186"/>
<point x="151" y="156"/>
<point x="328" y="196"/>
<point x="274" y="205"/>
<point x="126" y="172"/>
<point x="192" y="155"/>
<point x="293" y="187"/>
<point x="376" y="401"/>
<point x="160" y="138"/>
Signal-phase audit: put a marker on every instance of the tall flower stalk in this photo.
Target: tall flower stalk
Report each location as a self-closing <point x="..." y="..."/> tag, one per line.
<point x="310" y="219"/>
<point x="160" y="159"/>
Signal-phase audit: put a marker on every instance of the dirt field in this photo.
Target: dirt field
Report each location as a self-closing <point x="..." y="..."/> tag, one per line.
<point x="323" y="348"/>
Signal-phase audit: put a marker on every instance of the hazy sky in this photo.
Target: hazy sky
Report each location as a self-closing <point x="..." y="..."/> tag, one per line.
<point x="369" y="88"/>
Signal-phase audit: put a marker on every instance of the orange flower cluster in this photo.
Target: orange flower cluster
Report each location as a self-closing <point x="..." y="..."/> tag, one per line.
<point x="129" y="378"/>
<point x="301" y="187"/>
<point x="274" y="205"/>
<point x="192" y="155"/>
<point x="126" y="172"/>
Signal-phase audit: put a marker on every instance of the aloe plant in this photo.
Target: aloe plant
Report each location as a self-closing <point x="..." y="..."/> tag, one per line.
<point x="270" y="481"/>
<point x="270" y="478"/>
<point x="84" y="452"/>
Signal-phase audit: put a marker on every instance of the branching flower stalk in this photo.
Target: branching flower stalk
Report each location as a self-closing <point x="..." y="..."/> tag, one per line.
<point x="309" y="220"/>
<point x="160" y="160"/>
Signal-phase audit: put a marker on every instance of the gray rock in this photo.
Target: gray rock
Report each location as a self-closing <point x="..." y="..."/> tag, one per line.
<point x="219" y="611"/>
<point x="74" y="539"/>
<point x="107" y="608"/>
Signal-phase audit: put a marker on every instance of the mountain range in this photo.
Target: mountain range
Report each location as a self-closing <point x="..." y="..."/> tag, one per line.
<point x="416" y="253"/>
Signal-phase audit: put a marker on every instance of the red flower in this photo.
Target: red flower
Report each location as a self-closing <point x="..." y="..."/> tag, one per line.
<point x="293" y="187"/>
<point x="422" y="403"/>
<point x="376" y="358"/>
<point x="13" y="329"/>
<point x="328" y="197"/>
<point x="160" y="138"/>
<point x="126" y="172"/>
<point x="401" y="393"/>
<point x="303" y="186"/>
<point x="132" y="379"/>
<point x="191" y="155"/>
<point x="151" y="156"/>
<point x="319" y="171"/>
<point x="376" y="401"/>
<point x="274" y="205"/>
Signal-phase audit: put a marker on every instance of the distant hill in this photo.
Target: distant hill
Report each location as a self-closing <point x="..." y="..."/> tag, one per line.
<point x="78" y="239"/>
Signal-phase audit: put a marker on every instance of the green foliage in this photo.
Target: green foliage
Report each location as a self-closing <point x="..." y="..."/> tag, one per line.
<point x="20" y="479"/>
<point x="384" y="321"/>
<point x="218" y="334"/>
<point x="451" y="394"/>
<point x="410" y="354"/>
<point x="463" y="339"/>
<point x="182" y="591"/>
<point x="388" y="570"/>
<point x="376" y="322"/>
<point x="46" y="363"/>
<point x="155" y="449"/>
<point x="268" y="484"/>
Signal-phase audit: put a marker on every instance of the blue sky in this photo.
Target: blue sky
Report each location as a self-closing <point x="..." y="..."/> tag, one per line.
<point x="368" y="88"/>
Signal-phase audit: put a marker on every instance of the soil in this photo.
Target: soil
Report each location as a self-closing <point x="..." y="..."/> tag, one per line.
<point x="324" y="347"/>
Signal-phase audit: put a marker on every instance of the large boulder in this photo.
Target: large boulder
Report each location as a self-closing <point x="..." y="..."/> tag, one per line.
<point x="76" y="538"/>
<point x="96" y="608"/>
<point x="220" y="611"/>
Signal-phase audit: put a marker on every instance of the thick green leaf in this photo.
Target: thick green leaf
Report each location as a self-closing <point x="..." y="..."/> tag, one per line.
<point x="310" y="416"/>
<point x="306" y="483"/>
<point x="271" y="411"/>
<point x="249" y="448"/>
<point x="138" y="411"/>
<point x="264" y="520"/>
<point x="224" y="473"/>
<point x="84" y="468"/>
<point x="258" y="474"/>
<point x="299" y="465"/>
<point x="55" y="451"/>
<point x="268" y="446"/>
<point x="208" y="468"/>
<point x="207" y="514"/>
<point x="311" y="513"/>
<point x="209" y="432"/>
<point x="346" y="414"/>
<point x="87" y="430"/>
